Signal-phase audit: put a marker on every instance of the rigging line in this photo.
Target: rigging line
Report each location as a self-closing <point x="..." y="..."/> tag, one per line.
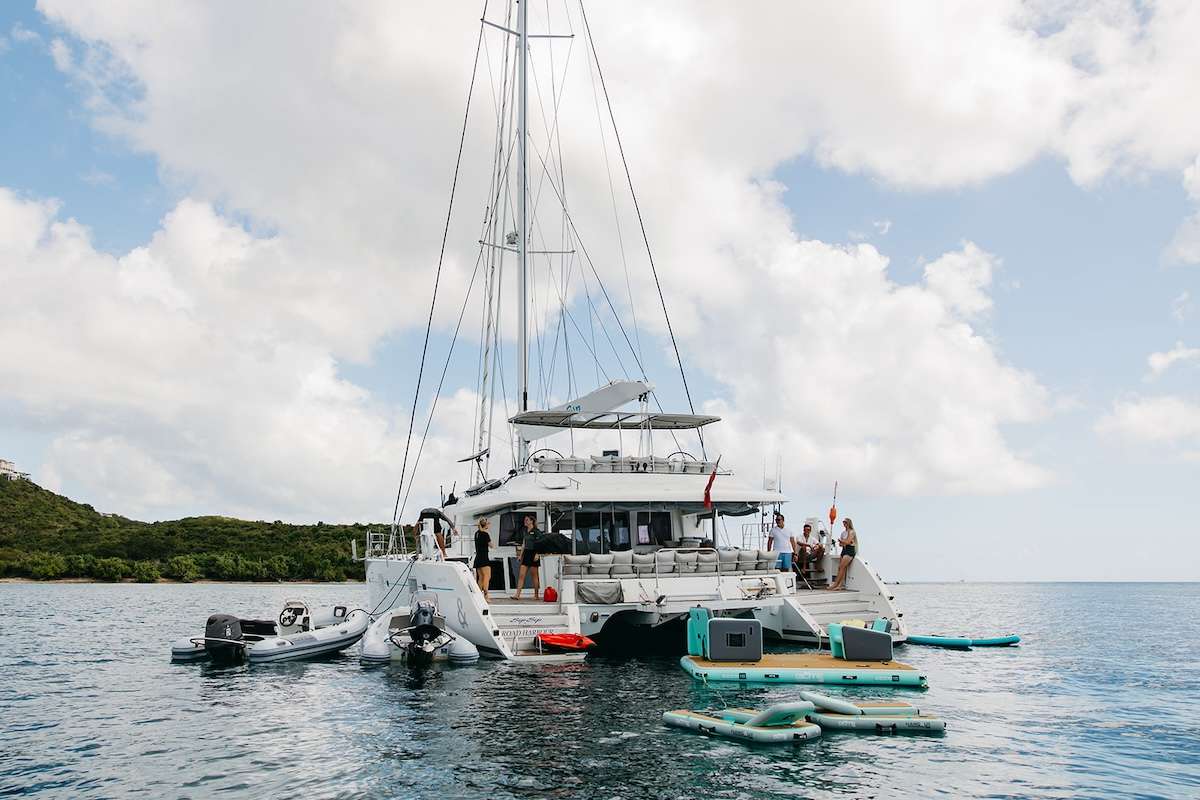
<point x="438" y="275"/>
<point x="595" y="355"/>
<point x="442" y="380"/>
<point x="616" y="215"/>
<point x="641" y="222"/>
<point x="553" y="133"/>
<point x="591" y="264"/>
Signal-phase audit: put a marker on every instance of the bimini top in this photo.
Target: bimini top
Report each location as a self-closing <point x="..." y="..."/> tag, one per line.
<point x="612" y="420"/>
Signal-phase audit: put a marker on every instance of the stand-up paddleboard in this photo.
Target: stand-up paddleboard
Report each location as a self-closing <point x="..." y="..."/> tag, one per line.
<point x="996" y="641"/>
<point x="962" y="642"/>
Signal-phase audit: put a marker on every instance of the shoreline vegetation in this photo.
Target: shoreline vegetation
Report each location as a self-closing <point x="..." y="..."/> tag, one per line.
<point x="48" y="537"/>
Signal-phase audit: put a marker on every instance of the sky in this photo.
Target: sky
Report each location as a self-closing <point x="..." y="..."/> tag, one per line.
<point x="946" y="257"/>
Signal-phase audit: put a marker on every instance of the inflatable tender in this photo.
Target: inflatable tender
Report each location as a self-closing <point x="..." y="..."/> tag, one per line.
<point x="297" y="633"/>
<point x="417" y="637"/>
<point x="962" y="642"/>
<point x="783" y="722"/>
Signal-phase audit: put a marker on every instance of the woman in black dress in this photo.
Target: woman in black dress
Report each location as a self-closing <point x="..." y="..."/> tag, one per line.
<point x="483" y="563"/>
<point x="530" y="537"/>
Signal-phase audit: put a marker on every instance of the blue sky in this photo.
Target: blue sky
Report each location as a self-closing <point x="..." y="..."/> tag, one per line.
<point x="1085" y="292"/>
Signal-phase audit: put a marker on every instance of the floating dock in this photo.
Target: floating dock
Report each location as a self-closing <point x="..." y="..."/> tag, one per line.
<point x="815" y="668"/>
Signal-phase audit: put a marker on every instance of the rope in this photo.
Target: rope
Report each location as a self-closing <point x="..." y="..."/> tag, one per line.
<point x="438" y="276"/>
<point x="641" y="223"/>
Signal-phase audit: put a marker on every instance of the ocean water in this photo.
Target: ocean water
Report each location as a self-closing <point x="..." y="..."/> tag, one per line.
<point x="1102" y="699"/>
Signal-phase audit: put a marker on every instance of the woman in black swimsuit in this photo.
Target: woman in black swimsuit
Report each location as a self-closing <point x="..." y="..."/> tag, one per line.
<point x="483" y="563"/>
<point x="849" y="542"/>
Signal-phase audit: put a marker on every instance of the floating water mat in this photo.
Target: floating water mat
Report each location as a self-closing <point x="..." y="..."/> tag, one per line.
<point x="872" y="723"/>
<point x="783" y="722"/>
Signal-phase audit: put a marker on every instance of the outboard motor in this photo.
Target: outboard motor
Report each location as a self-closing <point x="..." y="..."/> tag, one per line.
<point x="425" y="635"/>
<point x="223" y="640"/>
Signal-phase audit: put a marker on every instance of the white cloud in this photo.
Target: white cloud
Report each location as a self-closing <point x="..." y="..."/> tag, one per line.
<point x="334" y="130"/>
<point x="1181" y="306"/>
<point x="962" y="279"/>
<point x="196" y="372"/>
<point x="1161" y="362"/>
<point x="882" y="226"/>
<point x="1162" y="420"/>
<point x="98" y="177"/>
<point x="20" y="33"/>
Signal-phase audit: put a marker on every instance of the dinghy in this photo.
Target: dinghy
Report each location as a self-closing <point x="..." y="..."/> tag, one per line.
<point x="297" y="633"/>
<point x="783" y="722"/>
<point x="418" y="638"/>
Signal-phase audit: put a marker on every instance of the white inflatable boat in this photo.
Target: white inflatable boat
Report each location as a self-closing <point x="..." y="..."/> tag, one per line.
<point x="297" y="633"/>
<point x="417" y="637"/>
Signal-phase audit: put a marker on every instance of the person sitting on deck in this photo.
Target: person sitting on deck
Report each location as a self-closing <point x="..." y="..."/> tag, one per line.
<point x="783" y="542"/>
<point x="527" y="539"/>
<point x="810" y="549"/>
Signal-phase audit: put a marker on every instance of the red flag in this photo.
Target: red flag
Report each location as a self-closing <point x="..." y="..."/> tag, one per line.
<point x="708" y="488"/>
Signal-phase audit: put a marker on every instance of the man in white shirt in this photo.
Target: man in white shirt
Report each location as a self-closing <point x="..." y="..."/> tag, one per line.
<point x="782" y="541"/>
<point x="809" y="548"/>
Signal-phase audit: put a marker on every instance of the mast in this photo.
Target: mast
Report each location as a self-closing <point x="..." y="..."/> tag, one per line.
<point x="523" y="223"/>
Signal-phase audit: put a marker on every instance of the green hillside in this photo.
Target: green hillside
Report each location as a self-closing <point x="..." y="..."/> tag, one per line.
<point x="45" y="536"/>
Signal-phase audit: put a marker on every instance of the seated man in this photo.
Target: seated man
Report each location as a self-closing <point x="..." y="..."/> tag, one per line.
<point x="810" y="550"/>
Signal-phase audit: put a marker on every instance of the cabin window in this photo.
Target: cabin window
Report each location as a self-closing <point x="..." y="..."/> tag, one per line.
<point x="654" y="527"/>
<point x="601" y="532"/>
<point x="510" y="523"/>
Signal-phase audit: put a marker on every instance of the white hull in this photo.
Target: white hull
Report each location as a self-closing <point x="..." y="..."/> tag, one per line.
<point x="507" y="629"/>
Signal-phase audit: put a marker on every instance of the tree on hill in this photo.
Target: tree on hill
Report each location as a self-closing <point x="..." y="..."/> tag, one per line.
<point x="45" y="536"/>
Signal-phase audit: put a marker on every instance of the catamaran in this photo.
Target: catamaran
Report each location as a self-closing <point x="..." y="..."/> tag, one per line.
<point x="634" y="518"/>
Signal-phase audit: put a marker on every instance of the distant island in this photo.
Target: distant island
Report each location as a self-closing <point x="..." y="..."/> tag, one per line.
<point x="44" y="536"/>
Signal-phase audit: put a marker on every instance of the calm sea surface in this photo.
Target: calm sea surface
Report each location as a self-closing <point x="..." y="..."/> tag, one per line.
<point x="1102" y="699"/>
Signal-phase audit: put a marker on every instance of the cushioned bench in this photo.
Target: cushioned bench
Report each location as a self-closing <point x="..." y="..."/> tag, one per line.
<point x="628" y="564"/>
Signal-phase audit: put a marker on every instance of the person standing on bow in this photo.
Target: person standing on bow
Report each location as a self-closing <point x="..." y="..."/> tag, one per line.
<point x="528" y="538"/>
<point x="783" y="542"/>
<point x="483" y="559"/>
<point x="849" y="542"/>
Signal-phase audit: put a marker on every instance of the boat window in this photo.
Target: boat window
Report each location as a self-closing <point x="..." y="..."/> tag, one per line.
<point x="589" y="533"/>
<point x="618" y="531"/>
<point x="653" y="527"/>
<point x="601" y="532"/>
<point x="510" y="523"/>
